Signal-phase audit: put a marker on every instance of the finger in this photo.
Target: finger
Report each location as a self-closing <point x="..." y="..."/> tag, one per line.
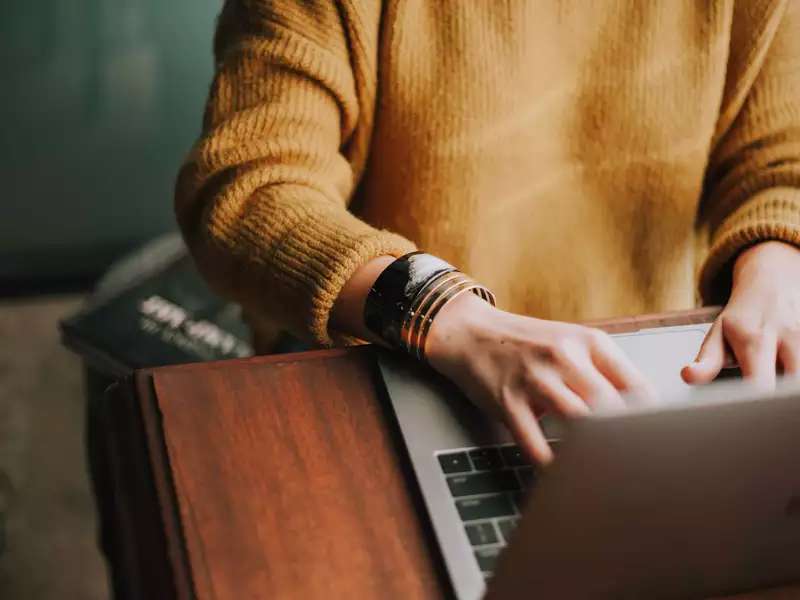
<point x="789" y="355"/>
<point x="585" y="380"/>
<point x="548" y="385"/>
<point x="525" y="428"/>
<point x="710" y="360"/>
<point x="617" y="368"/>
<point x="756" y="349"/>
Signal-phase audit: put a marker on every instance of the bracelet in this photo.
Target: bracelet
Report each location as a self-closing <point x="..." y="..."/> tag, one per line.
<point x="407" y="296"/>
<point x="394" y="290"/>
<point x="421" y="322"/>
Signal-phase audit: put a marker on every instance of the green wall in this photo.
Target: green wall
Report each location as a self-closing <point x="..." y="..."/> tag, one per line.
<point x="100" y="101"/>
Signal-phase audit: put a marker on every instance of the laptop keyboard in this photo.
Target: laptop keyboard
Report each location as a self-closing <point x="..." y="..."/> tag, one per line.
<point x="488" y="487"/>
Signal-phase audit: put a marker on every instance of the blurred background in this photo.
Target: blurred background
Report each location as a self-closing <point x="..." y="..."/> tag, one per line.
<point x="101" y="100"/>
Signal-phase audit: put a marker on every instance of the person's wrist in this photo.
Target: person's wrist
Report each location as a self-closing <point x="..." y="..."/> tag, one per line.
<point x="766" y="259"/>
<point x="347" y="315"/>
<point x="455" y="329"/>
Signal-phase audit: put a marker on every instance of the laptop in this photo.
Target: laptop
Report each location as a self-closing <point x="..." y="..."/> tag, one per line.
<point x="699" y="496"/>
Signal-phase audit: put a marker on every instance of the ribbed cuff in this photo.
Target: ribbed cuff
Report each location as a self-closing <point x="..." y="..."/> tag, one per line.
<point x="320" y="256"/>
<point x="773" y="214"/>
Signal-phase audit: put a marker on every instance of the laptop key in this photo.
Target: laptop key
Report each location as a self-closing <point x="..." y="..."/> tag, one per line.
<point x="486" y="507"/>
<point x="487" y="558"/>
<point x="482" y="483"/>
<point x="481" y="533"/>
<point x="507" y="527"/>
<point x="514" y="456"/>
<point x="454" y="462"/>
<point x="486" y="459"/>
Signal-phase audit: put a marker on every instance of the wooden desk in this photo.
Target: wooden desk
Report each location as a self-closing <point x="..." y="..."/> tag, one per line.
<point x="274" y="477"/>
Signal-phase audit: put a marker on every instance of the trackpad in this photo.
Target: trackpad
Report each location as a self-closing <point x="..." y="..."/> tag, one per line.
<point x="660" y="354"/>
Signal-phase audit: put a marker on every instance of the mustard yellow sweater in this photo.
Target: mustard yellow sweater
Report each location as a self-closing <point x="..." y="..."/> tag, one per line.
<point x="582" y="159"/>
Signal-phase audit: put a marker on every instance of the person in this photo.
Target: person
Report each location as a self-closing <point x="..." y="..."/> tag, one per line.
<point x="578" y="160"/>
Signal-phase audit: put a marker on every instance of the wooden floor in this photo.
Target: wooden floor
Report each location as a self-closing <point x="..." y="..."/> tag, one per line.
<point x="50" y="531"/>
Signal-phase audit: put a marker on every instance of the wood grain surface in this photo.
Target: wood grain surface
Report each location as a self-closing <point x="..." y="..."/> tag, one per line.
<point x="288" y="481"/>
<point x="282" y="477"/>
<point x="680" y="317"/>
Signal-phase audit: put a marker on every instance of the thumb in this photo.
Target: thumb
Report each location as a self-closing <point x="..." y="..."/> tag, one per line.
<point x="710" y="359"/>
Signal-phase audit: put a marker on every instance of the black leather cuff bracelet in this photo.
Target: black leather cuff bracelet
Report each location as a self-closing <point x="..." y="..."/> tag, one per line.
<point x="394" y="291"/>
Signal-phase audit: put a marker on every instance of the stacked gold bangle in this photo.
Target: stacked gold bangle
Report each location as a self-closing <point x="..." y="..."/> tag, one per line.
<point x="406" y="297"/>
<point x="429" y="301"/>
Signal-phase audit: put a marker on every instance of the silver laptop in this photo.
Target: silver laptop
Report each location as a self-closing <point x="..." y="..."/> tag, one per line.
<point x="697" y="497"/>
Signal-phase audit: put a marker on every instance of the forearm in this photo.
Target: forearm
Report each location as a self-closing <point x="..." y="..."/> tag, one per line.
<point x="751" y="191"/>
<point x="263" y="198"/>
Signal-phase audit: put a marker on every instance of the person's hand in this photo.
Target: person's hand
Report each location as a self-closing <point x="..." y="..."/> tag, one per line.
<point x="760" y="326"/>
<point x="516" y="367"/>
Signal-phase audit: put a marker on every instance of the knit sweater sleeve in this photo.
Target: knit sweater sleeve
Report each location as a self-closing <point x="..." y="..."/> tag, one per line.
<point x="753" y="178"/>
<point x="262" y="198"/>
